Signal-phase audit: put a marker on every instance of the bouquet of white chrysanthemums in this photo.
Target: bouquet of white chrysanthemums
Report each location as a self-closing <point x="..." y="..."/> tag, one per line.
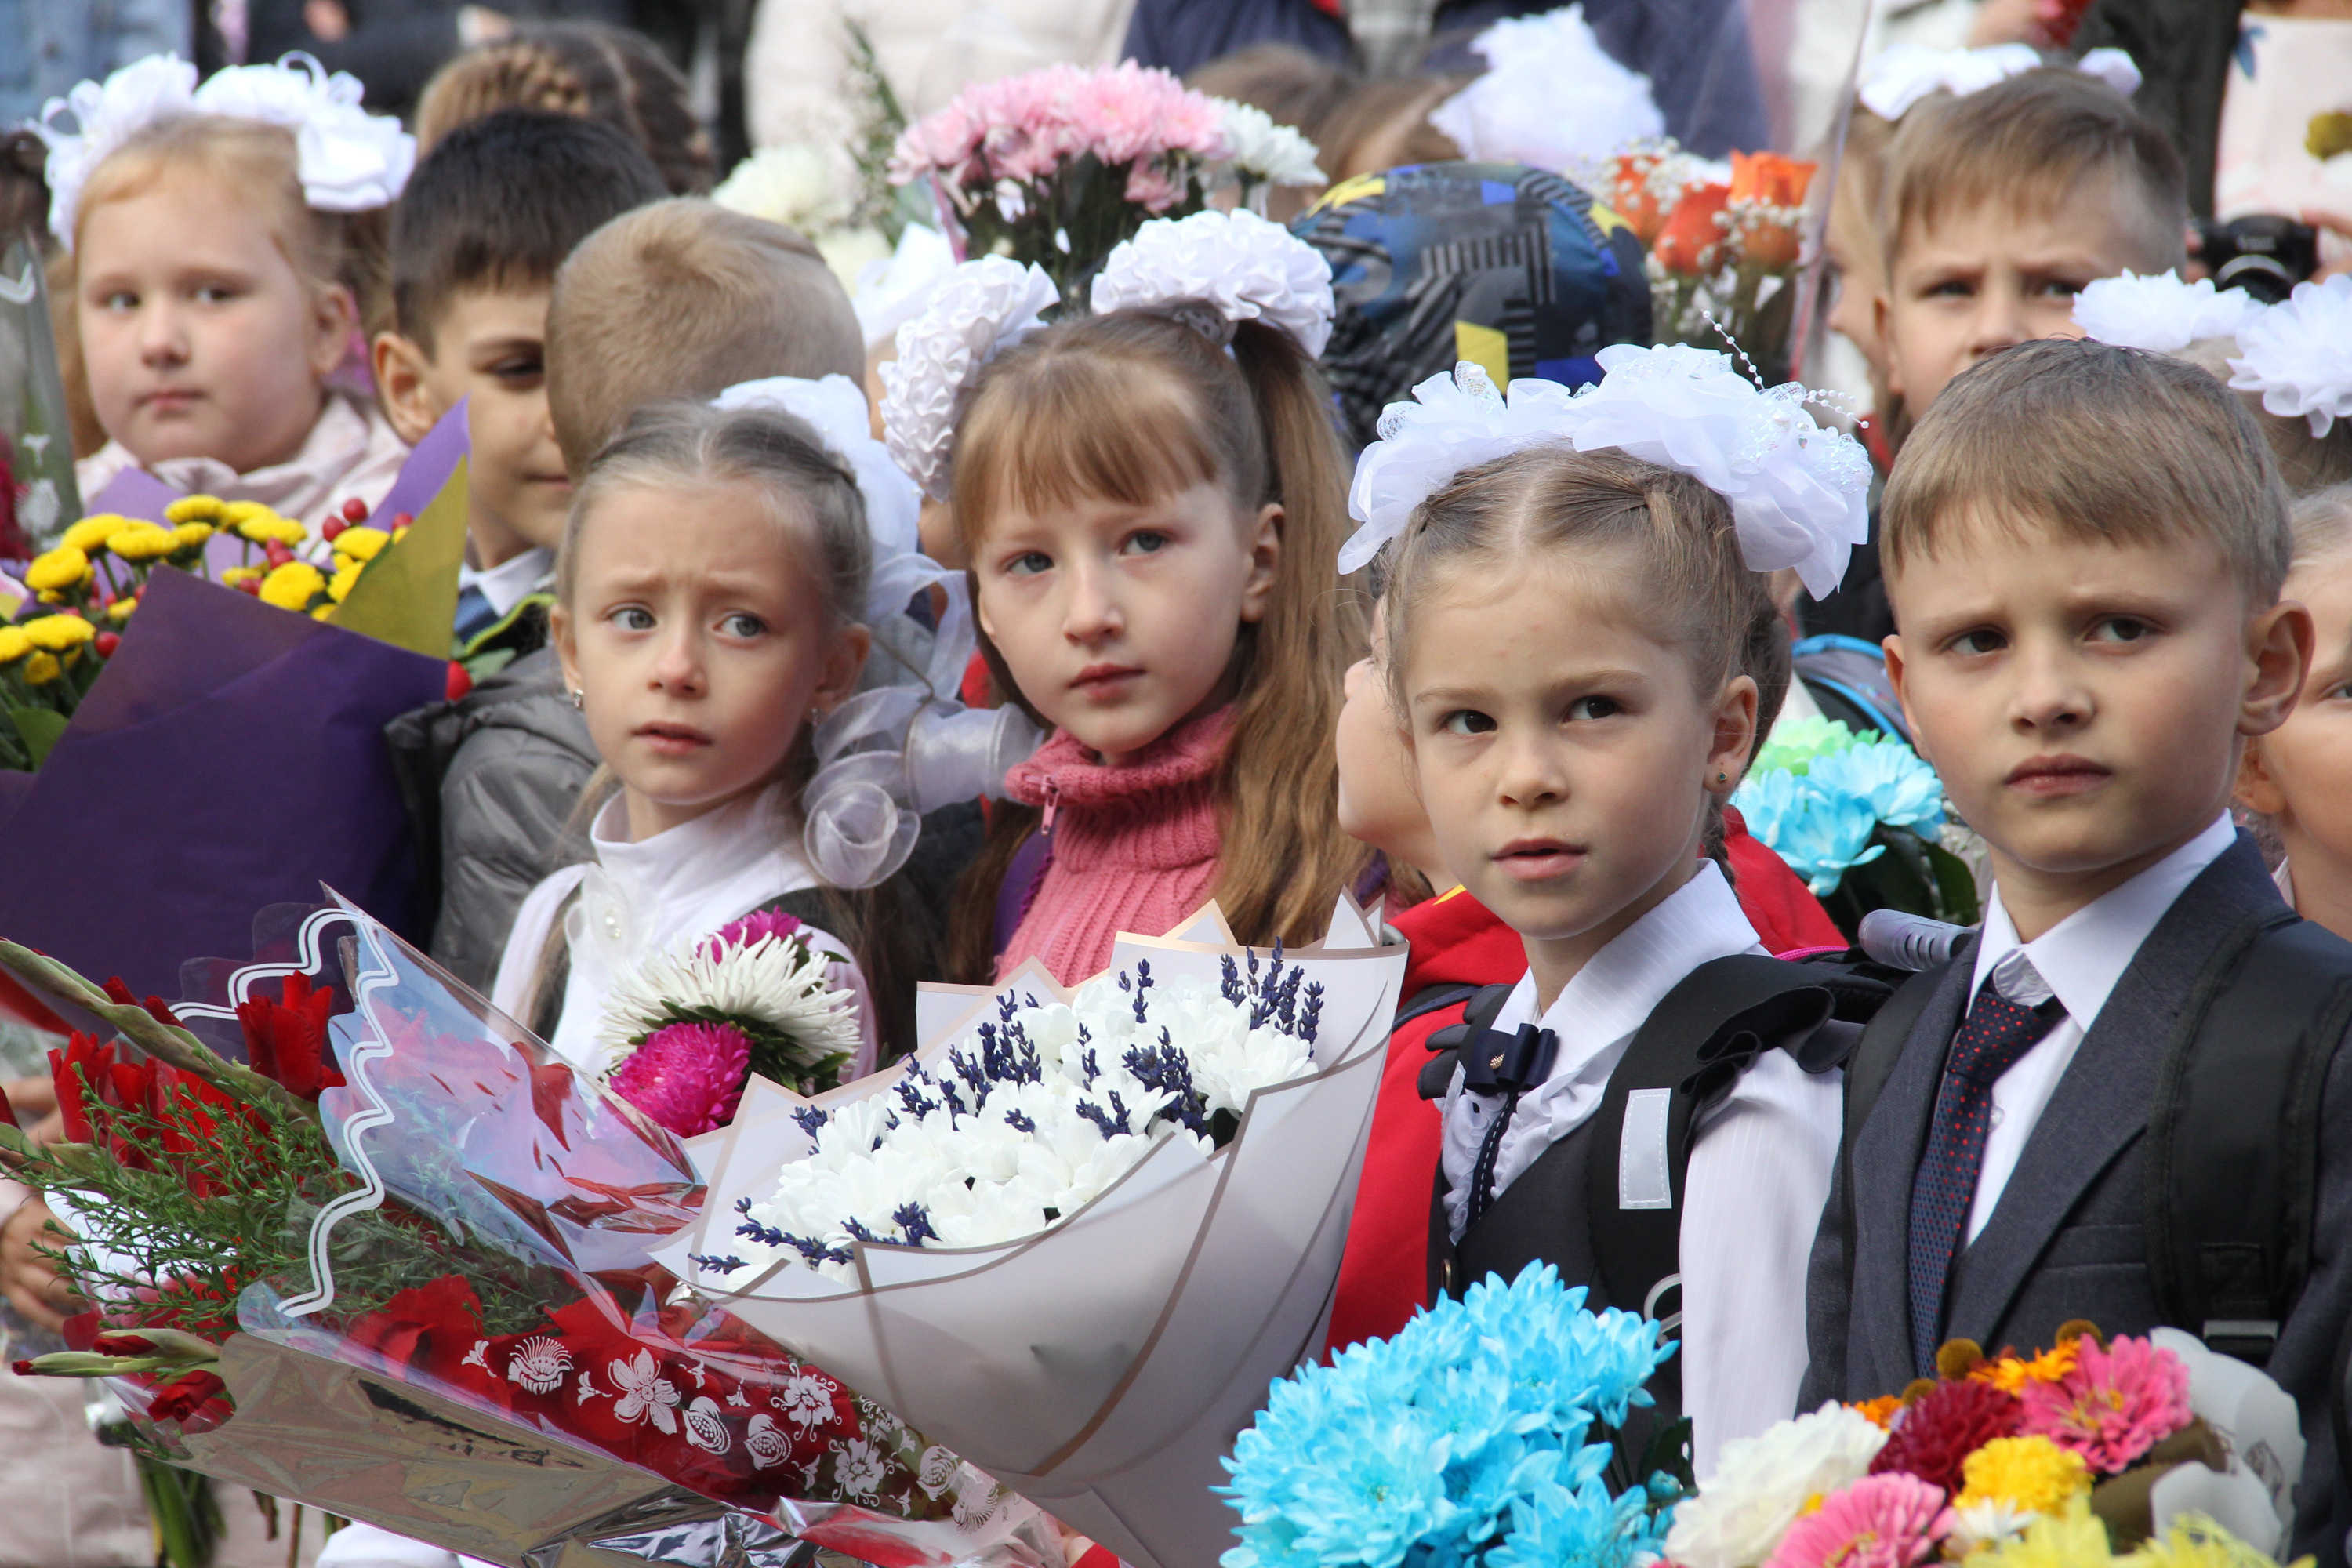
<point x="1052" y="1104"/>
<point x="1075" y="1237"/>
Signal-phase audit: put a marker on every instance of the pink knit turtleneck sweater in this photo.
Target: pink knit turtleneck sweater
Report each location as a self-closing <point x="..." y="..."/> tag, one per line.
<point x="1135" y="847"/>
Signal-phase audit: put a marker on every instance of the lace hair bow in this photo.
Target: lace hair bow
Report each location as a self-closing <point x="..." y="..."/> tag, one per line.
<point x="2298" y="354"/>
<point x="2161" y="313"/>
<point x="1797" y="492"/>
<point x="1238" y="264"/>
<point x="348" y="160"/>
<point x="977" y="311"/>
<point x="1901" y="76"/>
<point x="904" y="745"/>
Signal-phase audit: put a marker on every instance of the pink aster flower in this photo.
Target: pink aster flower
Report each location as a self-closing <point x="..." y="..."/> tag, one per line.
<point x="1881" y="1521"/>
<point x="688" y="1076"/>
<point x="751" y="931"/>
<point x="2113" y="1407"/>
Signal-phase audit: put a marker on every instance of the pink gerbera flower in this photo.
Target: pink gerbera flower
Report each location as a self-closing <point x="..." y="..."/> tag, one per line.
<point x="688" y="1076"/>
<point x="1880" y="1521"/>
<point x="2113" y="1407"/>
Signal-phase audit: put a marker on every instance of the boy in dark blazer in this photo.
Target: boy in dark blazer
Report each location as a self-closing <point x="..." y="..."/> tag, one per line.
<point x="2083" y="546"/>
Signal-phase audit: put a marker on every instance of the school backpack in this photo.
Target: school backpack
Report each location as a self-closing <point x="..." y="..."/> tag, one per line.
<point x="1846" y="679"/>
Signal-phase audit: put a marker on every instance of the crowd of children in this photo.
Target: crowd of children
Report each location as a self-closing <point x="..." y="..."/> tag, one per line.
<point x="2114" y="594"/>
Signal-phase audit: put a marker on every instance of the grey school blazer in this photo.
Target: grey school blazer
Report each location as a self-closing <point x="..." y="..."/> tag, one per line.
<point x="2065" y="1240"/>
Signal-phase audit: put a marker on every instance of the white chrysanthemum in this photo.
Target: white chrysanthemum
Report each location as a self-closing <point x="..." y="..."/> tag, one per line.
<point x="1987" y="1521"/>
<point x="775" y="981"/>
<point x="1551" y="97"/>
<point x="1248" y="269"/>
<point x="980" y="309"/>
<point x="2298" y="354"/>
<point x="1763" y="1483"/>
<point x="2161" y="313"/>
<point x="1265" y="149"/>
<point x="792" y="185"/>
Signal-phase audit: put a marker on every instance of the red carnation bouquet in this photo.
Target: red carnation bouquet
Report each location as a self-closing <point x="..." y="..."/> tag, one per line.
<point x="350" y="1233"/>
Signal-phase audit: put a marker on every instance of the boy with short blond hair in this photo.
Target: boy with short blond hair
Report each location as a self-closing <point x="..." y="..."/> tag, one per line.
<point x="686" y="298"/>
<point x="2084" y="548"/>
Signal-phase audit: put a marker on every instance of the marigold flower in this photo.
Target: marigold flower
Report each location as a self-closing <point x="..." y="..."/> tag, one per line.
<point x="14" y="643"/>
<point x="361" y="543"/>
<point x="92" y="532"/>
<point x="42" y="668"/>
<point x="58" y="634"/>
<point x="192" y="534"/>
<point x="58" y="570"/>
<point x="197" y="509"/>
<point x="293" y="585"/>
<point x="143" y="542"/>
<point x="2028" y="1472"/>
<point x="2010" y="1372"/>
<point x="339" y="586"/>
<point x="1880" y="1411"/>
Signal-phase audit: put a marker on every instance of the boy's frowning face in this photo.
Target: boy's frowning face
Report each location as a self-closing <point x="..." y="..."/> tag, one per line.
<point x="2083" y="701"/>
<point x="1983" y="278"/>
<point x="491" y="345"/>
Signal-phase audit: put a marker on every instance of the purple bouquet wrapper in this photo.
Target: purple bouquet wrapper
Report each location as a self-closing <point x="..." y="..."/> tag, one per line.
<point x="231" y="757"/>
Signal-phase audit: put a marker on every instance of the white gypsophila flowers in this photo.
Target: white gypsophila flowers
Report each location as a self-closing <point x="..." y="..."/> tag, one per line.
<point x="1058" y="1102"/>
<point x="2160" y="312"/>
<point x="1265" y="150"/>
<point x="778" y="981"/>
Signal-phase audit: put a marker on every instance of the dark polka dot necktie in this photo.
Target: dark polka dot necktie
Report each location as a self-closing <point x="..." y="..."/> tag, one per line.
<point x="1995" y="1035"/>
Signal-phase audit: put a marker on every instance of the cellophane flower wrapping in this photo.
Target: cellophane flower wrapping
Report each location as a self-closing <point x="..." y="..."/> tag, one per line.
<point x="480" y="1353"/>
<point x="1102" y="1366"/>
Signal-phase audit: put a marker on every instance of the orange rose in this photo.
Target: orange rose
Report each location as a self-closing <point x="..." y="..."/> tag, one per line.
<point x="1632" y="198"/>
<point x="1769" y="178"/>
<point x="1692" y="242"/>
<point x="1767" y="242"/>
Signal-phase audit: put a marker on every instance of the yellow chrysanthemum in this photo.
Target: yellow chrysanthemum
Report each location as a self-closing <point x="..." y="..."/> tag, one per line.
<point x="42" y="668"/>
<point x="361" y="543"/>
<point x="322" y="612"/>
<point x="2010" y="1372"/>
<point x="192" y="534"/>
<point x="398" y="534"/>
<point x="2074" y="1539"/>
<point x="92" y="532"/>
<point x="2196" y="1542"/>
<point x="58" y="570"/>
<point x="2030" y="1472"/>
<point x="120" y="611"/>
<point x="58" y="633"/>
<point x="339" y="587"/>
<point x="1879" y="1411"/>
<point x="199" y="509"/>
<point x="236" y="574"/>
<point x="14" y="643"/>
<point x="253" y="521"/>
<point x="292" y="586"/>
<point x="143" y="542"/>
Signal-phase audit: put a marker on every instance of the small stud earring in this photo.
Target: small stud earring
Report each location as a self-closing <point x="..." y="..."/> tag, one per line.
<point x="579" y="697"/>
<point x="1723" y="778"/>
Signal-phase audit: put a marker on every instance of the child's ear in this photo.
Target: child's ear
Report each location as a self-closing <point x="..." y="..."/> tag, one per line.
<point x="1265" y="559"/>
<point x="843" y="662"/>
<point x="2278" y="651"/>
<point x="334" y="316"/>
<point x="560" y="632"/>
<point x="1735" y="737"/>
<point x="2257" y="791"/>
<point x="1892" y="647"/>
<point x="400" y="387"/>
<point x="1882" y="326"/>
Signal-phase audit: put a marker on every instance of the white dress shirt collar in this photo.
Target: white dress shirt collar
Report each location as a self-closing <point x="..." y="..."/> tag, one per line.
<point x="505" y="584"/>
<point x="2083" y="956"/>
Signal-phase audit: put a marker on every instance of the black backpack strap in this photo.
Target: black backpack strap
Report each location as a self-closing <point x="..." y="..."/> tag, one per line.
<point x="1688" y="1053"/>
<point x="1446" y="1044"/>
<point x="2233" y="1131"/>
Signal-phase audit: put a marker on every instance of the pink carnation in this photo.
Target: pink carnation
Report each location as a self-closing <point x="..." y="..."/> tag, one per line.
<point x="2115" y="1405"/>
<point x="752" y="929"/>
<point x="688" y="1076"/>
<point x="1881" y="1521"/>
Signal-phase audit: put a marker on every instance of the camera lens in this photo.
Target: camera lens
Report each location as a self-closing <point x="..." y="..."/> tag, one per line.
<point x="2260" y="276"/>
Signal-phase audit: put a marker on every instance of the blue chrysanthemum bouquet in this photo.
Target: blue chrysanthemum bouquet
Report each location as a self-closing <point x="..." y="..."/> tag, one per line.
<point x="1479" y="1435"/>
<point x="1856" y="816"/>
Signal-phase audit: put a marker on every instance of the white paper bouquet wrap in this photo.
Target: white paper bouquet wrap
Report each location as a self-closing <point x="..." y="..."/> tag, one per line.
<point x="1102" y="1366"/>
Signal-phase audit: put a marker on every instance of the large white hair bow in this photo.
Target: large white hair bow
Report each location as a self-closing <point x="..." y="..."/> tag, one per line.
<point x="1898" y="76"/>
<point x="981" y="309"/>
<point x="1797" y="492"/>
<point x="1246" y="268"/>
<point x="905" y="744"/>
<point x="2298" y="354"/>
<point x="347" y="159"/>
<point x="2161" y="314"/>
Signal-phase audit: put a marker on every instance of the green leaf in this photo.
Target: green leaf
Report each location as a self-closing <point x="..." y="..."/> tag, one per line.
<point x="39" y="728"/>
<point x="1955" y="887"/>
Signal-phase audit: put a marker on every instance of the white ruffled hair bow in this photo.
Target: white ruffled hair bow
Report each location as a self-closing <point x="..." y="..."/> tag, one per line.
<point x="348" y="160"/>
<point x="905" y="744"/>
<point x="1797" y="492"/>
<point x="2161" y="313"/>
<point x="1236" y="264"/>
<point x="2298" y="354"/>
<point x="1899" y="77"/>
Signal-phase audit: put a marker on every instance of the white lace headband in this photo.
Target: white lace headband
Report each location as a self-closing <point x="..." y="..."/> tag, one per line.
<point x="2161" y="314"/>
<point x="348" y="160"/>
<point x="1237" y="263"/>
<point x="904" y="745"/>
<point x="1899" y="77"/>
<point x="2298" y="354"/>
<point x="1797" y="492"/>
